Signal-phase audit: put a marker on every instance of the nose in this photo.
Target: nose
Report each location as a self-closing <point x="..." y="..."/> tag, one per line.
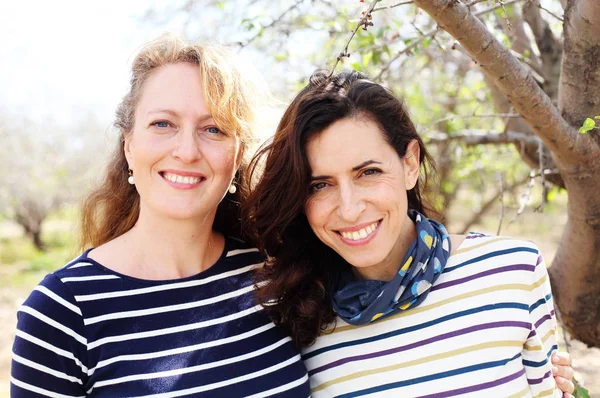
<point x="187" y="148"/>
<point x="351" y="204"/>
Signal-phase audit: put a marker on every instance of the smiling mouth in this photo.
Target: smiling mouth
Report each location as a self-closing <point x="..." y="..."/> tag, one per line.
<point x="360" y="234"/>
<point x="179" y="179"/>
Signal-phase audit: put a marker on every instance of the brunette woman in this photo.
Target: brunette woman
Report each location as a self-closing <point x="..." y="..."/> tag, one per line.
<point x="382" y="299"/>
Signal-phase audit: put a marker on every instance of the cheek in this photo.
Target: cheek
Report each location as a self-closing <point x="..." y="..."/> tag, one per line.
<point x="315" y="214"/>
<point x="222" y="158"/>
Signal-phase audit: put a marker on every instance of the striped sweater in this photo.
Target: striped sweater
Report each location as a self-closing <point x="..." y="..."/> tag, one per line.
<point x="487" y="328"/>
<point x="88" y="331"/>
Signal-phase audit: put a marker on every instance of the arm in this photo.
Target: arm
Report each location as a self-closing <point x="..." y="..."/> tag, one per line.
<point x="49" y="348"/>
<point x="542" y="341"/>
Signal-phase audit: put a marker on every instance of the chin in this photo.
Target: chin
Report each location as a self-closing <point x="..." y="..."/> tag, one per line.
<point x="362" y="262"/>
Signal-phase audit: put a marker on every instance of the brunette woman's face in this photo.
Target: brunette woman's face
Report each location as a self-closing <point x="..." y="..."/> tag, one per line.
<point x="358" y="202"/>
<point x="182" y="162"/>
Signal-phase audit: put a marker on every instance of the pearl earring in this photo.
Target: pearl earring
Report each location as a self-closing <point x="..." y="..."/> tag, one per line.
<point x="130" y="179"/>
<point x="232" y="188"/>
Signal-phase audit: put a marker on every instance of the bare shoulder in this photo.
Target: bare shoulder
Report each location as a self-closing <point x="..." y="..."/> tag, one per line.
<point x="456" y="241"/>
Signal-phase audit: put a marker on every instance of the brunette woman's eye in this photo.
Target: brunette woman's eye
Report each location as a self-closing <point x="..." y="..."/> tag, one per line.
<point x="371" y="172"/>
<point x="318" y="186"/>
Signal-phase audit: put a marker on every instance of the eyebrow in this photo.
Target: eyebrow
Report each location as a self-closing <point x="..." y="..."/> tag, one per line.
<point x="355" y="168"/>
<point x="365" y="164"/>
<point x="202" y="118"/>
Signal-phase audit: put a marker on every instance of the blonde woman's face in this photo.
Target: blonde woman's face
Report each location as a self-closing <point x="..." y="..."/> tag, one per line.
<point x="182" y="162"/>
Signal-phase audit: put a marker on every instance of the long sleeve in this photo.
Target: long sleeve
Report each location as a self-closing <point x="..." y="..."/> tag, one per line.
<point x="542" y="341"/>
<point x="49" y="351"/>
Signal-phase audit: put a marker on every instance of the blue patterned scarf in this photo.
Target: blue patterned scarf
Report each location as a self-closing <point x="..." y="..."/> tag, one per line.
<point x="359" y="302"/>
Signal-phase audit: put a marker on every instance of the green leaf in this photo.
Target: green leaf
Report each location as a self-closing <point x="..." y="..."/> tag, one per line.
<point x="581" y="392"/>
<point x="367" y="59"/>
<point x="427" y="42"/>
<point x="597" y="117"/>
<point x="588" y="124"/>
<point x="376" y="57"/>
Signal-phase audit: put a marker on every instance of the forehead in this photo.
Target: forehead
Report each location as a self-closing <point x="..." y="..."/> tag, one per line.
<point x="173" y="86"/>
<point x="347" y="143"/>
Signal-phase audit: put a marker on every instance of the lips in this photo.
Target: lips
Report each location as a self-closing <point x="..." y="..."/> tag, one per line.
<point x="359" y="234"/>
<point x="182" y="178"/>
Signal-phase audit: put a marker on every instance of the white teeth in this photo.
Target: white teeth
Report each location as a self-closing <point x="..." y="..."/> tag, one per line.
<point x="181" y="179"/>
<point x="360" y="234"/>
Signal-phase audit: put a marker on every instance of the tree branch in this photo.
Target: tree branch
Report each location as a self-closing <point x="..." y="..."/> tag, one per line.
<point x="364" y="22"/>
<point x="507" y="73"/>
<point x="402" y="3"/>
<point x="272" y="23"/>
<point x="480" y="137"/>
<point x="406" y="49"/>
<point x="491" y="202"/>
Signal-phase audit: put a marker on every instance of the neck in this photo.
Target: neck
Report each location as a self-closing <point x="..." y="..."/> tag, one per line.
<point x="388" y="268"/>
<point x="162" y="248"/>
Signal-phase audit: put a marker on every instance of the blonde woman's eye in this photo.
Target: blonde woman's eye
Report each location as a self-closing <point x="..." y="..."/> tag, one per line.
<point x="214" y="130"/>
<point x="162" y="124"/>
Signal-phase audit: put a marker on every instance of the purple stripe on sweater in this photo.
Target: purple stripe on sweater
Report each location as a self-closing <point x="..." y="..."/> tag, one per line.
<point x="477" y="387"/>
<point x="540" y="380"/>
<point x="539" y="260"/>
<point x="515" y="267"/>
<point x="543" y="319"/>
<point x="531" y="334"/>
<point x="430" y="340"/>
<point x="475" y="235"/>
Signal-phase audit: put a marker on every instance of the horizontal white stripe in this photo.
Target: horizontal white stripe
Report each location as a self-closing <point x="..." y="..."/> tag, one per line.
<point x="58" y="299"/>
<point x="45" y="369"/>
<point x="170" y="286"/>
<point x="192" y="369"/>
<point x="229" y="382"/>
<point x="79" y="265"/>
<point x="52" y="323"/>
<point x="240" y="251"/>
<point x="181" y="350"/>
<point x="175" y="329"/>
<point x="88" y="278"/>
<point x="282" y="388"/>
<point x="50" y="347"/>
<point x="41" y="391"/>
<point x="167" y="308"/>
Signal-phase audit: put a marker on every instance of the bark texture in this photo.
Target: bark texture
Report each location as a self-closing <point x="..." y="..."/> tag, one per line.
<point x="575" y="271"/>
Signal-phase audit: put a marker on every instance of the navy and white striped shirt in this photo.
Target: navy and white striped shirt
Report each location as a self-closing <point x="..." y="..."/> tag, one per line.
<point x="88" y="331"/>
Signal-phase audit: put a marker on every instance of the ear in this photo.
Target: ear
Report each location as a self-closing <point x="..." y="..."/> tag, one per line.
<point x="240" y="155"/>
<point x="411" y="164"/>
<point x="127" y="149"/>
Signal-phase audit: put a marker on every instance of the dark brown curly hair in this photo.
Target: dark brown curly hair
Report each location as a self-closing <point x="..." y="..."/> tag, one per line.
<point x="300" y="269"/>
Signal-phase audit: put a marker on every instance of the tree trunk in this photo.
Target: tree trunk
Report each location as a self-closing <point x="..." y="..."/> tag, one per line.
<point x="36" y="238"/>
<point x="575" y="271"/>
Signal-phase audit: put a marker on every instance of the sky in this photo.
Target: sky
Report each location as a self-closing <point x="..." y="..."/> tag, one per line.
<point x="63" y="59"/>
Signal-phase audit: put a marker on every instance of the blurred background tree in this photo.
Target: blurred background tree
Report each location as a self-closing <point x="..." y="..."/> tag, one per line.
<point x="43" y="166"/>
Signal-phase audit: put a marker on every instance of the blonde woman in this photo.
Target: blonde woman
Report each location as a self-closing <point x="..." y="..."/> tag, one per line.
<point x="163" y="304"/>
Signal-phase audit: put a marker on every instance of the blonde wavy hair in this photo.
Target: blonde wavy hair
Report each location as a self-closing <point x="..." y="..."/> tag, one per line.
<point x="113" y="207"/>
